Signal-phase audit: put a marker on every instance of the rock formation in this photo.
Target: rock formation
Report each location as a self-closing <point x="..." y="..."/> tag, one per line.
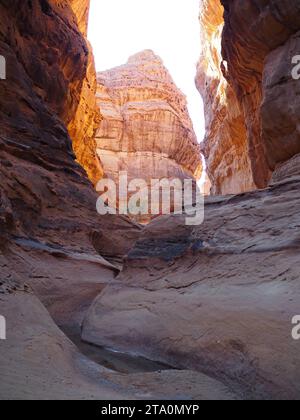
<point x="253" y="115"/>
<point x="213" y="304"/>
<point x="146" y="129"/>
<point x="50" y="233"/>
<point x="225" y="144"/>
<point x="44" y="192"/>
<point x="218" y="298"/>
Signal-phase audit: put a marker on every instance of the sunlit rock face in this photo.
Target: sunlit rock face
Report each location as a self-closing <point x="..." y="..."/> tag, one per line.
<point x="259" y="41"/>
<point x="146" y="129"/>
<point x="225" y="144"/>
<point x="85" y="122"/>
<point x="245" y="77"/>
<point x="44" y="194"/>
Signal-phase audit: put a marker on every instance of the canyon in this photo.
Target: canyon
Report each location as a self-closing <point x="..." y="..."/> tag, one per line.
<point x="209" y="308"/>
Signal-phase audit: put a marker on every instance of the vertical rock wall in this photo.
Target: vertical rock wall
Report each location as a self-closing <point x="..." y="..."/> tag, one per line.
<point x="225" y="144"/>
<point x="252" y="101"/>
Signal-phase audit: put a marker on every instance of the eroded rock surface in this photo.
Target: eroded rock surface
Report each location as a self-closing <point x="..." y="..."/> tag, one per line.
<point x="146" y="129"/>
<point x="225" y="144"/>
<point x="259" y="41"/>
<point x="50" y="233"/>
<point x="45" y="194"/>
<point x="215" y="300"/>
<point x="251" y="98"/>
<point x="218" y="298"/>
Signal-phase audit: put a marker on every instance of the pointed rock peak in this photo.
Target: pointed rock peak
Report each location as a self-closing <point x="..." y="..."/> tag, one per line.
<point x="146" y="55"/>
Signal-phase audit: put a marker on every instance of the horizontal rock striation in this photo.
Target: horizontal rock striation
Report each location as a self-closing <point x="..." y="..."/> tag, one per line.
<point x="217" y="298"/>
<point x="146" y="129"/>
<point x="50" y="233"/>
<point x="45" y="194"/>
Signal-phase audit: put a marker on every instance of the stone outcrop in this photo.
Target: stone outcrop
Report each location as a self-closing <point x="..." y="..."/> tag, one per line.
<point x="217" y="298"/>
<point x="146" y="129"/>
<point x="86" y="120"/>
<point x="251" y="97"/>
<point x="213" y="304"/>
<point x="50" y="233"/>
<point x="45" y="194"/>
<point x="225" y="144"/>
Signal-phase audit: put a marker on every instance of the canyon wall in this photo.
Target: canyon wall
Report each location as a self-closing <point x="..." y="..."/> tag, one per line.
<point x="45" y="194"/>
<point x="146" y="129"/>
<point x="84" y="124"/>
<point x="249" y="91"/>
<point x="50" y="233"/>
<point x="225" y="143"/>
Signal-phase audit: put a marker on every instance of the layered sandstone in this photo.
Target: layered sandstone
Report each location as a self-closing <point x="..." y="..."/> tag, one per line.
<point x="251" y="97"/>
<point x="48" y="212"/>
<point x="225" y="144"/>
<point x="50" y="233"/>
<point x="214" y="301"/>
<point x="218" y="298"/>
<point x="259" y="42"/>
<point x="45" y="194"/>
<point x="146" y="129"/>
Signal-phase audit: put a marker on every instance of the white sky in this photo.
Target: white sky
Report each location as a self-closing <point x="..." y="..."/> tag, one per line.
<point x="121" y="28"/>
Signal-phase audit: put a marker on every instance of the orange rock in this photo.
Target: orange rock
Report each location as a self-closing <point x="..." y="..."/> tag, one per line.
<point x="259" y="41"/>
<point x="86" y="119"/>
<point x="252" y="109"/>
<point x="225" y="144"/>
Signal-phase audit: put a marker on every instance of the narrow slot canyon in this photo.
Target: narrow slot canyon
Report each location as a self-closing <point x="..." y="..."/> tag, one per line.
<point x="149" y="305"/>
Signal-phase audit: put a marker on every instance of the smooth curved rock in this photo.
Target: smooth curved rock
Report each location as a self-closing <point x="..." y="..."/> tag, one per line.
<point x="218" y="298"/>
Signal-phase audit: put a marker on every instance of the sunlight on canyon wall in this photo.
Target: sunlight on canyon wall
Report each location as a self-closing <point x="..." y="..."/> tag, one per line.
<point x="225" y="143"/>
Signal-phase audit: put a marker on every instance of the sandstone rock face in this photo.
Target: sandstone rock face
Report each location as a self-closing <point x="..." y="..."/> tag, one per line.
<point x="250" y="95"/>
<point x="218" y="298"/>
<point x="288" y="169"/>
<point x="225" y="144"/>
<point x="146" y="129"/>
<point x="215" y="301"/>
<point x="50" y="234"/>
<point x="85" y="122"/>
<point x="81" y="10"/>
<point x="45" y="194"/>
<point x="259" y="41"/>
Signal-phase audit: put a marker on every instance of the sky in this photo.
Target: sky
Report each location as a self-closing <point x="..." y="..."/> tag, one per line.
<point x="121" y="28"/>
